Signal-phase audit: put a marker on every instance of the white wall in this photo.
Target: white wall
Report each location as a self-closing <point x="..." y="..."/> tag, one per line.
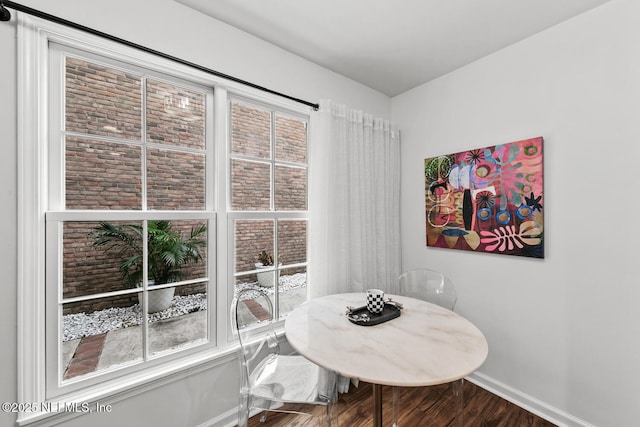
<point x="563" y="332"/>
<point x="174" y="29"/>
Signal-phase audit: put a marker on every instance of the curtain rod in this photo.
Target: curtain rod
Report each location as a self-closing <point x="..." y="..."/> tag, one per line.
<point x="5" y="15"/>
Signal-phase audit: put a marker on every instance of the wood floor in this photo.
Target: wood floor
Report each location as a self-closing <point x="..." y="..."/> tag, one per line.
<point x="420" y="406"/>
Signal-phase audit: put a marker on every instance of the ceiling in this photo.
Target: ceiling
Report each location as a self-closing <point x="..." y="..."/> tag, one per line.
<point x="392" y="45"/>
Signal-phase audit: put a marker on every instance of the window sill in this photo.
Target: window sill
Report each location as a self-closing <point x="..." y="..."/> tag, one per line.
<point x="76" y="404"/>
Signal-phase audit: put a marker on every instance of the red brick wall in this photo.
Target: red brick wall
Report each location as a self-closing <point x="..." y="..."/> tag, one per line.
<point x="251" y="183"/>
<point x="89" y="271"/>
<point x="108" y="175"/>
<point x="104" y="101"/>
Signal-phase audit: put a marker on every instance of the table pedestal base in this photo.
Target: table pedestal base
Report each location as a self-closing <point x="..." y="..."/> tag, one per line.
<point x="377" y="405"/>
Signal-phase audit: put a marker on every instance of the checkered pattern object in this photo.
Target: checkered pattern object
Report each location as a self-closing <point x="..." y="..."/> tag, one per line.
<point x="375" y="303"/>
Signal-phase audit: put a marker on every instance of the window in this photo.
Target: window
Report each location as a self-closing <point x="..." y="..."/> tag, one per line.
<point x="268" y="215"/>
<point x="126" y="159"/>
<point x="129" y="217"/>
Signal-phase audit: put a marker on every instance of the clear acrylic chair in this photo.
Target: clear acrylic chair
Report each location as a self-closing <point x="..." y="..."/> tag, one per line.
<point x="269" y="379"/>
<point x="428" y="285"/>
<point x="435" y="287"/>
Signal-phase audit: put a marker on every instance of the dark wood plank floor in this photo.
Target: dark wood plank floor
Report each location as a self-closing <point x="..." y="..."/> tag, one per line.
<point x="420" y="406"/>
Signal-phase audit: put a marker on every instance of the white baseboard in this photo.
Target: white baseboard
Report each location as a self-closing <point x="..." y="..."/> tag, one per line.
<point x="529" y="403"/>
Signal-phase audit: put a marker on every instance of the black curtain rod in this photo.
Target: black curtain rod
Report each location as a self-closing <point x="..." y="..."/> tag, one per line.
<point x="5" y="15"/>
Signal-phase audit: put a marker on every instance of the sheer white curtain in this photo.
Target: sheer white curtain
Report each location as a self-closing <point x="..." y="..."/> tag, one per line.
<point x="354" y="202"/>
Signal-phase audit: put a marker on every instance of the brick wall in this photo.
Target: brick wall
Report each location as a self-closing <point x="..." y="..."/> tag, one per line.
<point x="251" y="183"/>
<point x="90" y="271"/>
<point x="108" y="174"/>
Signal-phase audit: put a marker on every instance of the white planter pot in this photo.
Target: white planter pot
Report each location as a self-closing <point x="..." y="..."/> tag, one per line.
<point x="159" y="299"/>
<point x="265" y="279"/>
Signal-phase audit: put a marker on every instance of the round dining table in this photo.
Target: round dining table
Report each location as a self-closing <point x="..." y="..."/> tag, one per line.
<point x="425" y="345"/>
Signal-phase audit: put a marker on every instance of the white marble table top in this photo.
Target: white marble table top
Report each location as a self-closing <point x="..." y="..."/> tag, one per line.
<point x="426" y="345"/>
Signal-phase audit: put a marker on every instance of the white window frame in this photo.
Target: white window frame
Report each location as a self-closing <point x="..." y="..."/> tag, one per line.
<point x="34" y="37"/>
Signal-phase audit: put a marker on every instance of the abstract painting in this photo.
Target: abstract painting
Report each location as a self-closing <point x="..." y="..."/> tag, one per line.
<point x="487" y="200"/>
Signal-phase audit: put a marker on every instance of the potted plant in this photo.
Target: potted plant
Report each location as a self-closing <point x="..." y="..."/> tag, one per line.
<point x="168" y="252"/>
<point x="265" y="260"/>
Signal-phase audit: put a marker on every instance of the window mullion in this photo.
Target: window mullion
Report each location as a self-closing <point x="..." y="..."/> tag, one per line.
<point x="272" y="158"/>
<point x="221" y="259"/>
<point x="55" y="161"/>
<point x="145" y="291"/>
<point x="276" y="273"/>
<point x="143" y="129"/>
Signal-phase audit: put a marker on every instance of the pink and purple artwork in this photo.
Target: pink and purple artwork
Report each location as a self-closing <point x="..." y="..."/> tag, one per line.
<point x="487" y="200"/>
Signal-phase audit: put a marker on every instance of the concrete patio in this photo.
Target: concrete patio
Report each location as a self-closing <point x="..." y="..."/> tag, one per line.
<point x="124" y="346"/>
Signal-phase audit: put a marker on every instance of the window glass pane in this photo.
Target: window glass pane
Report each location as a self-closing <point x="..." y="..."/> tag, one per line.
<point x="250" y="131"/>
<point x="245" y="280"/>
<point x="102" y="101"/>
<point x="251" y="309"/>
<point x="97" y="340"/>
<point x="175" y="180"/>
<point x="250" y="185"/>
<point x="291" y="139"/>
<point x="177" y="317"/>
<point x="102" y="175"/>
<point x="175" y="116"/>
<point x="177" y="250"/>
<point x="252" y="238"/>
<point x="107" y="256"/>
<point x="292" y="241"/>
<point x="292" y="289"/>
<point x="97" y="258"/>
<point x="291" y="188"/>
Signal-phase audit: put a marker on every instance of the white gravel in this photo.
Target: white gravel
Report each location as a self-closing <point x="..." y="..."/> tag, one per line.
<point x="285" y="283"/>
<point x="81" y="325"/>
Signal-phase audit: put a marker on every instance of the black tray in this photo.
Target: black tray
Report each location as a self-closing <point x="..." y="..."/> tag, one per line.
<point x="363" y="317"/>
